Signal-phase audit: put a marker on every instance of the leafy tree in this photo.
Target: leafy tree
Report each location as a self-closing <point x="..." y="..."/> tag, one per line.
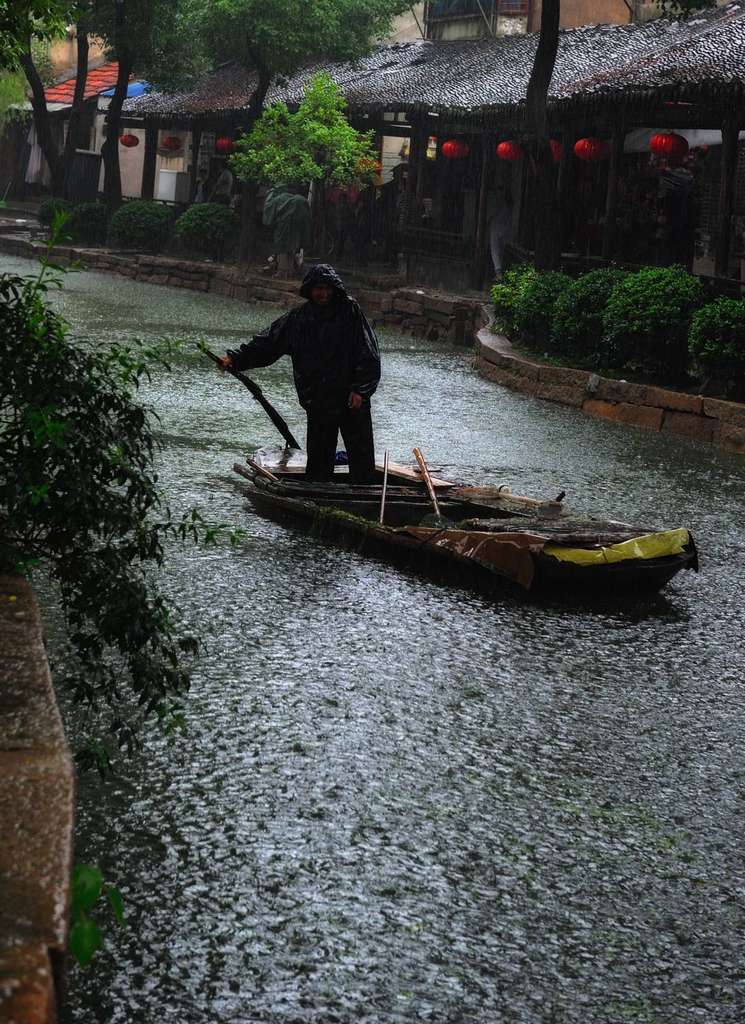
<point x="315" y="143"/>
<point x="22" y="21"/>
<point x="79" y="495"/>
<point x="547" y="242"/>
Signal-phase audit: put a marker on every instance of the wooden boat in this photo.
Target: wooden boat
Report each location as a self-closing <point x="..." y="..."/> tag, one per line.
<point x="487" y="536"/>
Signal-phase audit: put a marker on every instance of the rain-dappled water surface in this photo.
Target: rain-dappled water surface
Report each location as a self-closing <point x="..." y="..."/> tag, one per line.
<point x="399" y="802"/>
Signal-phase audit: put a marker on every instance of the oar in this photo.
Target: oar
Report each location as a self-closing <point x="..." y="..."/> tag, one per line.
<point x="437" y="519"/>
<point x="258" y="394"/>
<point x="385" y="487"/>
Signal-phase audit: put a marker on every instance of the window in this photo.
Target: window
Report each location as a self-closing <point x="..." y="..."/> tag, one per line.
<point x="513" y="8"/>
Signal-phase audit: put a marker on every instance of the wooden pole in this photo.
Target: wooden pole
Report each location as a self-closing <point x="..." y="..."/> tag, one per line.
<point x="423" y="138"/>
<point x="479" y="256"/>
<point x="611" y="194"/>
<point x="196" y="142"/>
<point x="148" y="164"/>
<point x="730" y="132"/>
<point x="564" y="189"/>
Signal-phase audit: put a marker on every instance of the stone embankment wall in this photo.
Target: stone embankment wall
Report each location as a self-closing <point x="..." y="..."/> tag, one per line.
<point x="36" y="818"/>
<point x="422" y="313"/>
<point x="669" y="412"/>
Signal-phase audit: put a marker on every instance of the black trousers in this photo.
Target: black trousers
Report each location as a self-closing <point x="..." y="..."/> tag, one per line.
<point x="356" y="430"/>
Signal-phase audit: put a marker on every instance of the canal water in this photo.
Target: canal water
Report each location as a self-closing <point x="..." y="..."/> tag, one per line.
<point x="399" y="802"/>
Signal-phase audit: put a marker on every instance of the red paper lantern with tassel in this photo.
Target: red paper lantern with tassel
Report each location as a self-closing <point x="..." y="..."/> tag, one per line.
<point x="510" y="151"/>
<point x="224" y="145"/>
<point x="592" y="150"/>
<point x="172" y="142"/>
<point x="129" y="141"/>
<point x="670" y="145"/>
<point x="455" y="149"/>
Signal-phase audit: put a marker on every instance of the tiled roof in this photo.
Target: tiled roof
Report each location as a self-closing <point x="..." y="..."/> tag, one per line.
<point x="662" y="58"/>
<point x="98" y="80"/>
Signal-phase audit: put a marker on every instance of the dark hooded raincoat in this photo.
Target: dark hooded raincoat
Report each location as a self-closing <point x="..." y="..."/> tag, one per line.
<point x="334" y="352"/>
<point x="333" y="348"/>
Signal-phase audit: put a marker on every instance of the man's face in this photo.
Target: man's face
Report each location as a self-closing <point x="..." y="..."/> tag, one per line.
<point x="321" y="294"/>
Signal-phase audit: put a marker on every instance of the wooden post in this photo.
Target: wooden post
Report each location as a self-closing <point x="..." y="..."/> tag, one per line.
<point x="479" y="256"/>
<point x="413" y="171"/>
<point x="730" y="132"/>
<point x="564" y="188"/>
<point x="148" y="165"/>
<point x="423" y="135"/>
<point x="196" y="141"/>
<point x="611" y="194"/>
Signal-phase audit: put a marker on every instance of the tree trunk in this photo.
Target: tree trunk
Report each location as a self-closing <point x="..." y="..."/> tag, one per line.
<point x="43" y="125"/>
<point x="536" y="120"/>
<point x="246" y="248"/>
<point x="730" y="133"/>
<point x="74" y="140"/>
<point x="611" y="196"/>
<point x="110" y="150"/>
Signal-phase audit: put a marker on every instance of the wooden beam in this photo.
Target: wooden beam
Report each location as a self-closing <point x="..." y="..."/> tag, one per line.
<point x="730" y="132"/>
<point x="196" y="141"/>
<point x="479" y="256"/>
<point x="611" y="193"/>
<point x="148" y="165"/>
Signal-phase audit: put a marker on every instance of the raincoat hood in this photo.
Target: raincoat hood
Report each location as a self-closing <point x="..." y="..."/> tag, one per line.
<point x="322" y="273"/>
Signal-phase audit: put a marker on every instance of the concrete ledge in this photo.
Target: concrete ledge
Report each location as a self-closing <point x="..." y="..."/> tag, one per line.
<point x="416" y="311"/>
<point x="36" y="817"/>
<point x="709" y="420"/>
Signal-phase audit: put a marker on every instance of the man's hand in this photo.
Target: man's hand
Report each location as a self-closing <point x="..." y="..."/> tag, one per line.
<point x="355" y="401"/>
<point x="225" y="363"/>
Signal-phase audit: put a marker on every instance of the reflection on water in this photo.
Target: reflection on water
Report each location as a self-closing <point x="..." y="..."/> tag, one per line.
<point x="399" y="802"/>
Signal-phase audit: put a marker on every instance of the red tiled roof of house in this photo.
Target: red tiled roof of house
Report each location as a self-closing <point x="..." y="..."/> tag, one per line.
<point x="99" y="79"/>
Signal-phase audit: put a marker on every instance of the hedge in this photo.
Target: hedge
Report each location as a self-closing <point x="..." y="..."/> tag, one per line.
<point x="207" y="227"/>
<point x="142" y="224"/>
<point x="578" y="314"/>
<point x="647" y="319"/>
<point x="717" y="344"/>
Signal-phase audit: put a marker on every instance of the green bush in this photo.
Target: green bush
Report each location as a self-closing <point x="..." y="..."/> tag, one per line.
<point x="89" y="222"/>
<point x="647" y="319"/>
<point x="49" y="207"/>
<point x="207" y="227"/>
<point x="534" y="305"/>
<point x="578" y="313"/>
<point x="142" y="224"/>
<point x="504" y="294"/>
<point x="716" y="343"/>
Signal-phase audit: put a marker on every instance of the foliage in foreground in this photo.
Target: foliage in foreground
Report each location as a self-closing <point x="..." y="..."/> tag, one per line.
<point x="79" y="495"/>
<point x="88" y="888"/>
<point x="315" y="143"/>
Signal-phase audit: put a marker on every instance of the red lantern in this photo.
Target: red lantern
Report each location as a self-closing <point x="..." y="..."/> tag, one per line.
<point x="455" y="149"/>
<point x="557" y="150"/>
<point x="129" y="141"/>
<point x="171" y="142"/>
<point x="669" y="145"/>
<point x="592" y="150"/>
<point x="224" y="145"/>
<point x="510" y="151"/>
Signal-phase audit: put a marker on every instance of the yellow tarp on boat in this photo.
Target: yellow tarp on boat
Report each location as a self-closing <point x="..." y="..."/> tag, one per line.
<point x="650" y="545"/>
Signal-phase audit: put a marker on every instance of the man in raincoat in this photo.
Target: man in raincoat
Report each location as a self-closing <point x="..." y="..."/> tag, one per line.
<point x="336" y="365"/>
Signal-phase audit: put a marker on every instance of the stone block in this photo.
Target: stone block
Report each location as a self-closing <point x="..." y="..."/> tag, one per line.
<point x="699" y="428"/>
<point x="404" y="306"/>
<point x="564" y="375"/>
<point x="727" y="412"/>
<point x="732" y="437"/>
<point x="440" y="305"/>
<point x="163" y="279"/>
<point x="564" y="394"/>
<point x="677" y="400"/>
<point x="610" y="390"/>
<point x="623" y="412"/>
<point x="27" y="994"/>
